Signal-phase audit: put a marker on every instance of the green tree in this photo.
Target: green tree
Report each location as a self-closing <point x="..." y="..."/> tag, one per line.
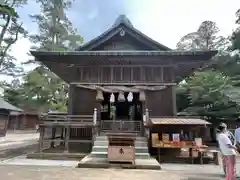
<point x="41" y="88"/>
<point x="56" y="32"/>
<point x="204" y="38"/>
<point x="204" y="92"/>
<point x="231" y="65"/>
<point x="11" y="30"/>
<point x="236" y="34"/>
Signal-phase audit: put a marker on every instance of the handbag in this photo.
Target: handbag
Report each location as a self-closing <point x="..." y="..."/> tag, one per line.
<point x="238" y="147"/>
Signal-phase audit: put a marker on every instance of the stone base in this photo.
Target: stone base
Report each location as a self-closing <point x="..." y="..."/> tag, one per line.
<point x="93" y="162"/>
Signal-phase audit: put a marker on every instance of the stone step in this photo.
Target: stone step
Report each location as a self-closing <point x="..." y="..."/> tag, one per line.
<point x="104" y="155"/>
<point x="89" y="162"/>
<point x="105" y="143"/>
<point x="105" y="149"/>
<point x="102" y="138"/>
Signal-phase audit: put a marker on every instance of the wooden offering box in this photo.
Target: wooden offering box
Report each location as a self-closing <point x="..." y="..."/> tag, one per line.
<point x="121" y="148"/>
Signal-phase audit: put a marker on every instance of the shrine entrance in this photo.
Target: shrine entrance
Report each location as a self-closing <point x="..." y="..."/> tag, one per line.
<point x="121" y="112"/>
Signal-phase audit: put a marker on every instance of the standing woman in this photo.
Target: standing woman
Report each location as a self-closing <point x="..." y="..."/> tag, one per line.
<point x="232" y="139"/>
<point x="229" y="153"/>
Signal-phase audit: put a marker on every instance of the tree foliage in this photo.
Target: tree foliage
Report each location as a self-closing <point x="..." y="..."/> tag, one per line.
<point x="41" y="88"/>
<point x="11" y="30"/>
<point x="236" y="34"/>
<point x="206" y="37"/>
<point x="56" y="32"/>
<point x="207" y="92"/>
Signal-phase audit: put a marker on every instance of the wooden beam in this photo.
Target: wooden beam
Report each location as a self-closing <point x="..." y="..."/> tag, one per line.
<point x="151" y="88"/>
<point x="125" y="84"/>
<point x="113" y="89"/>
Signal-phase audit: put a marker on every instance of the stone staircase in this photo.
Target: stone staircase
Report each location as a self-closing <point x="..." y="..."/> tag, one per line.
<point x="98" y="157"/>
<point x="100" y="148"/>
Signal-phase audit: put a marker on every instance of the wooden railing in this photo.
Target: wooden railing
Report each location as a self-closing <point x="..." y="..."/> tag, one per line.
<point x="122" y="126"/>
<point x="65" y="129"/>
<point x="67" y="120"/>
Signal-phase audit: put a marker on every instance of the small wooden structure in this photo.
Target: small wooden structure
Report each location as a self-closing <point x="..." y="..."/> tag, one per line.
<point x="121" y="148"/>
<point x="23" y="120"/>
<point x="5" y="111"/>
<point x="176" y="134"/>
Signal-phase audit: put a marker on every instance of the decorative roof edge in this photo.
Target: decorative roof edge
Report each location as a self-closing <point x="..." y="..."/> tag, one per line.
<point x="123" y="53"/>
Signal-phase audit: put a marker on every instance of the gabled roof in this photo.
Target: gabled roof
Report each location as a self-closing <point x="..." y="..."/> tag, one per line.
<point x="8" y="106"/>
<point x="122" y="23"/>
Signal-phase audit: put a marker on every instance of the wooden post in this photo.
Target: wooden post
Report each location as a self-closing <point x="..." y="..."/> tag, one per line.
<point x="95" y="117"/>
<point x="53" y="136"/>
<point x="67" y="139"/>
<point x="94" y="129"/>
<point x="147" y="116"/>
<point x="62" y="135"/>
<point x="41" y="138"/>
<point x="159" y="155"/>
<point x="174" y="102"/>
<point x="70" y="98"/>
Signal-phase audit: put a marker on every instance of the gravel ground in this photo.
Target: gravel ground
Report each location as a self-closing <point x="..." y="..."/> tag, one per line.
<point x="67" y="173"/>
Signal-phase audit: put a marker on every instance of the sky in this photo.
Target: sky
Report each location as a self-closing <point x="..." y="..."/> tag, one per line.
<point x="164" y="21"/>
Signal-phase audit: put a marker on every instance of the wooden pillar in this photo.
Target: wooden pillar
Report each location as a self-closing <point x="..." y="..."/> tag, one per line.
<point x="53" y="136"/>
<point x="70" y="98"/>
<point x="41" y="138"/>
<point x="62" y="135"/>
<point x="67" y="137"/>
<point x="174" y="102"/>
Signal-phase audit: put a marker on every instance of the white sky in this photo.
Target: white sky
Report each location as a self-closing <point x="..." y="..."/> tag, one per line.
<point x="167" y="21"/>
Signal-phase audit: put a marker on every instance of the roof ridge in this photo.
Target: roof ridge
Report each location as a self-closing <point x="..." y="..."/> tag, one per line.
<point x="122" y="20"/>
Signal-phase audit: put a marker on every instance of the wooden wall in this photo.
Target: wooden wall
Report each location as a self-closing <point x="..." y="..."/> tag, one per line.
<point x="161" y="103"/>
<point x="126" y="74"/>
<point x="126" y="42"/>
<point x="84" y="101"/>
<point x="3" y="122"/>
<point x="23" y="121"/>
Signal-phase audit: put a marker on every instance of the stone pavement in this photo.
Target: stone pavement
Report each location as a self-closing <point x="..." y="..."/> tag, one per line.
<point x="18" y="139"/>
<point x="67" y="173"/>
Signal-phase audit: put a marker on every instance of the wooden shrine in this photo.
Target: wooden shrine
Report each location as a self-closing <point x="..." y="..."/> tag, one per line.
<point x="120" y="73"/>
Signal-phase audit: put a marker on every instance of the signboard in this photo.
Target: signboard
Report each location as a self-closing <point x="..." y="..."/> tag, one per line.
<point x="174" y="143"/>
<point x="176" y="137"/>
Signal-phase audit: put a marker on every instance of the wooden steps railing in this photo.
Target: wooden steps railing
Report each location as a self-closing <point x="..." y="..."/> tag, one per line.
<point x="123" y="126"/>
